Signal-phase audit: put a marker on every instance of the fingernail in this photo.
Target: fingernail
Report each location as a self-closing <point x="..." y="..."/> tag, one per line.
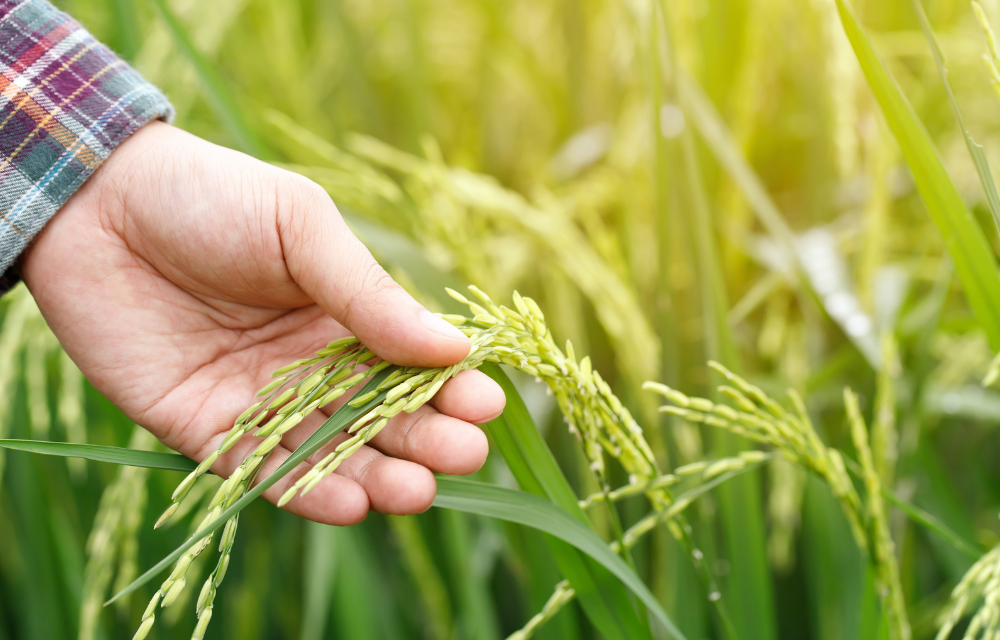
<point x="441" y="326"/>
<point x="490" y="419"/>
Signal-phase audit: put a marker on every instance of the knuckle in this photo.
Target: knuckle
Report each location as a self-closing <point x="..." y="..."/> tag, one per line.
<point x="297" y="198"/>
<point x="410" y="445"/>
<point x="372" y="282"/>
<point x="307" y="192"/>
<point x="377" y="280"/>
<point x="362" y="475"/>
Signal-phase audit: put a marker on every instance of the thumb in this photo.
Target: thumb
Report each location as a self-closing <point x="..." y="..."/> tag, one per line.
<point x="339" y="273"/>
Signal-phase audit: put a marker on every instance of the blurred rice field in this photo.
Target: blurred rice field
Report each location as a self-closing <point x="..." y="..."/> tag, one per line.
<point x="673" y="182"/>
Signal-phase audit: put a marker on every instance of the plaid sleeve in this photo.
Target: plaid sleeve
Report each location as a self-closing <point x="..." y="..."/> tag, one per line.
<point x="66" y="102"/>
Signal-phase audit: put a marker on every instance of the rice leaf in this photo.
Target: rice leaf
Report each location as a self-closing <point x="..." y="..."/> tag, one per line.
<point x="602" y="597"/>
<point x="529" y="510"/>
<point x="966" y="243"/>
<point x="340" y="420"/>
<point x="475" y="610"/>
<point x="218" y="95"/>
<point x="99" y="453"/>
<point x="931" y="523"/>
<point x="319" y="568"/>
<point x="975" y="149"/>
<point x="750" y="594"/>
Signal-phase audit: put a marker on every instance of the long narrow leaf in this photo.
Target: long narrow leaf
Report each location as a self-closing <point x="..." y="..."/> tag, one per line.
<point x="217" y="92"/>
<point x="934" y="525"/>
<point x="975" y="149"/>
<point x="602" y="597"/>
<point x="340" y="420"/>
<point x="533" y="511"/>
<point x="923" y="518"/>
<point x="114" y="455"/>
<point x="966" y="243"/>
<point x="749" y="593"/>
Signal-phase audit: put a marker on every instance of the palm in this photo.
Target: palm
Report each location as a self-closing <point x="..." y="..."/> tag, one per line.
<point x="176" y="297"/>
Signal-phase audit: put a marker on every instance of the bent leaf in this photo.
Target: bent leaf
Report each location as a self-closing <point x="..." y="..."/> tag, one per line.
<point x="538" y="513"/>
<point x="604" y="600"/>
<point x="99" y="453"/>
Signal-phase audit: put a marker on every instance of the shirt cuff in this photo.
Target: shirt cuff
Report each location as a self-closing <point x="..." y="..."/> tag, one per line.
<point x="66" y="102"/>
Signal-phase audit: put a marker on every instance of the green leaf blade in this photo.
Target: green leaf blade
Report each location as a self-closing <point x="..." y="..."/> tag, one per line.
<point x="533" y="511"/>
<point x="602" y="597"/>
<point x="217" y="92"/>
<point x="100" y="453"/>
<point x="975" y="149"/>
<point x="965" y="241"/>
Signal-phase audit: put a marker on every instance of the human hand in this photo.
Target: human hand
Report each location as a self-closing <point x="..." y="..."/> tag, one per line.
<point x="182" y="273"/>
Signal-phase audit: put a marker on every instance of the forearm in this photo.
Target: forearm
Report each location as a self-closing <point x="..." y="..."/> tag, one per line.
<point x="66" y="102"/>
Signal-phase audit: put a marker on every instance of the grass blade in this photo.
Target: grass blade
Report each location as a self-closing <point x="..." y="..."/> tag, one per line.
<point x="114" y="455"/>
<point x="538" y="513"/>
<point x="966" y="243"/>
<point x="319" y="571"/>
<point x="219" y="97"/>
<point x="602" y="597"/>
<point x="929" y="522"/>
<point x="434" y="604"/>
<point x="336" y="423"/>
<point x="750" y="591"/>
<point x="476" y="617"/>
<point x="923" y="518"/>
<point x="975" y="149"/>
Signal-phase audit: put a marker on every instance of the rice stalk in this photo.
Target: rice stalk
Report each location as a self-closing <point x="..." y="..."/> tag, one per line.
<point x="784" y="511"/>
<point x="709" y="474"/>
<point x="70" y="412"/>
<point x="20" y="310"/>
<point x="39" y="344"/>
<point x="883" y="547"/>
<point x="206" y="598"/>
<point x="562" y="595"/>
<point x="759" y="418"/>
<point x="592" y="412"/>
<point x="517" y="337"/>
<point x="992" y="56"/>
<point x="701" y="471"/>
<point x="112" y="547"/>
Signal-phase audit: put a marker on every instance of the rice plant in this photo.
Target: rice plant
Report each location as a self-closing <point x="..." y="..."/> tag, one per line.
<point x="800" y="192"/>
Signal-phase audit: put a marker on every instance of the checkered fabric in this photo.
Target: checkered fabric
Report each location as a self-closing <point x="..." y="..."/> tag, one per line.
<point x="66" y="102"/>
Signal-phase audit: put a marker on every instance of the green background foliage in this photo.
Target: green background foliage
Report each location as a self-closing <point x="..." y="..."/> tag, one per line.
<point x="672" y="182"/>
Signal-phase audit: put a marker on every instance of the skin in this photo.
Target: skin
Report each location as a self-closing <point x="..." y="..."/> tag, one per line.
<point x="182" y="273"/>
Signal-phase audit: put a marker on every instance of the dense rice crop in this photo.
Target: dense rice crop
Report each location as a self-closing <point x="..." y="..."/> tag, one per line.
<point x="760" y="242"/>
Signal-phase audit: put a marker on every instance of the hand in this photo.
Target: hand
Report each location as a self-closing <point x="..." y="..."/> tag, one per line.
<point x="182" y="273"/>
